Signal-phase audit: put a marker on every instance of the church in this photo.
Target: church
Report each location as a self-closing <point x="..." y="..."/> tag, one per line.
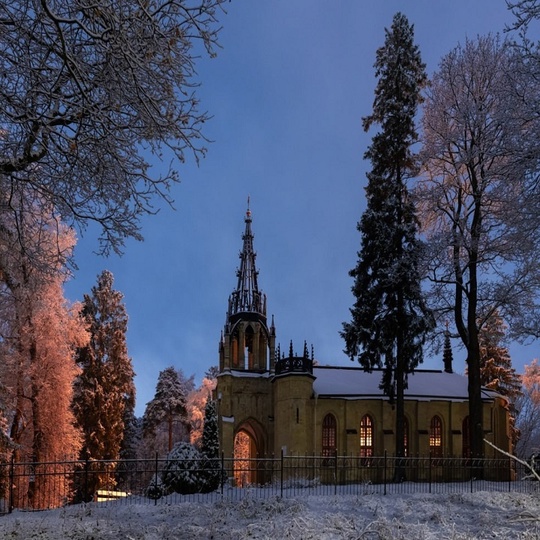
<point x="274" y="401"/>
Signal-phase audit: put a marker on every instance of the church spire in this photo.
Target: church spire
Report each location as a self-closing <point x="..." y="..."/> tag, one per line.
<point x="247" y="298"/>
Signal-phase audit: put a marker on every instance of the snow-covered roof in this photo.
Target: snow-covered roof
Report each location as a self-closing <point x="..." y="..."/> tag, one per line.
<point x="423" y="385"/>
<point x="246" y="373"/>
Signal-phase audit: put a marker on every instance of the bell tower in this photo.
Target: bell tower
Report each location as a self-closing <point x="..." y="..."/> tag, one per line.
<point x="247" y="343"/>
<point x="246" y="365"/>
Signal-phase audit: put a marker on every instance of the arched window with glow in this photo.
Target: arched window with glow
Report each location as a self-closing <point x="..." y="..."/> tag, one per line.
<point x="366" y="436"/>
<point x="435" y="437"/>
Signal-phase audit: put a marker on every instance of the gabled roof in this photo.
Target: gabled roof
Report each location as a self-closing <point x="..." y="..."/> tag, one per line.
<point x="423" y="385"/>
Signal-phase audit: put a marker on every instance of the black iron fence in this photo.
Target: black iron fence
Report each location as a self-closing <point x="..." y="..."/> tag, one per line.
<point x="34" y="486"/>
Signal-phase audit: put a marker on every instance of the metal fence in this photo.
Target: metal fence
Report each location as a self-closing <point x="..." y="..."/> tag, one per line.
<point x="36" y="486"/>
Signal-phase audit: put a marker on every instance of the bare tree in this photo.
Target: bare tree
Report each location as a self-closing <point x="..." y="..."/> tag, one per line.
<point x="528" y="412"/>
<point x="90" y="92"/>
<point x="478" y="200"/>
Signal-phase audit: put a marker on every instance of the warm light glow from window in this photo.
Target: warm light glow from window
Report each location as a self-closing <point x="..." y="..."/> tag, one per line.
<point x="366" y="436"/>
<point x="435" y="437"/>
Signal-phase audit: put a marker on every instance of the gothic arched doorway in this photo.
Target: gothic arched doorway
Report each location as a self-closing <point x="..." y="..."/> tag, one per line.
<point x="248" y="446"/>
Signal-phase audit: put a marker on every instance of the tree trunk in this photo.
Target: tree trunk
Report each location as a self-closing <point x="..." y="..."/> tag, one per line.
<point x="476" y="423"/>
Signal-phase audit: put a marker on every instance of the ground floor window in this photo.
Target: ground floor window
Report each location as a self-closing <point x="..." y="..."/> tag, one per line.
<point x="329" y="431"/>
<point x="435" y="437"/>
<point x="366" y="436"/>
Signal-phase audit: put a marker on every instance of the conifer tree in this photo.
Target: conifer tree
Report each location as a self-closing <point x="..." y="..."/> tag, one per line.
<point x="210" y="441"/>
<point x="168" y="407"/>
<point x="389" y="318"/>
<point x="104" y="391"/>
<point x="496" y="371"/>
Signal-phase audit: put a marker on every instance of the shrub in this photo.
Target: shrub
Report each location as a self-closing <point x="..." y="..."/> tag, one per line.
<point x="188" y="471"/>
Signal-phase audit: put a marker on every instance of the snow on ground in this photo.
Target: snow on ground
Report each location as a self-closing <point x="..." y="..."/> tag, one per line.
<point x="479" y="515"/>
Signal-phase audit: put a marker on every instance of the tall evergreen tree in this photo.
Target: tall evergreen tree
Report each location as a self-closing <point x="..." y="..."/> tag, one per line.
<point x="210" y="440"/>
<point x="496" y="371"/>
<point x="104" y="391"/>
<point x="389" y="317"/>
<point x="168" y="407"/>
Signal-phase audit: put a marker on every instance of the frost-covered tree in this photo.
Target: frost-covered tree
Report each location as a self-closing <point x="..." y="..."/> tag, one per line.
<point x="389" y="318"/>
<point x="528" y="412"/>
<point x="496" y="371"/>
<point x="210" y="438"/>
<point x="479" y="207"/>
<point x="40" y="331"/>
<point x="168" y="408"/>
<point x="104" y="391"/>
<point x="196" y="405"/>
<point x="90" y="92"/>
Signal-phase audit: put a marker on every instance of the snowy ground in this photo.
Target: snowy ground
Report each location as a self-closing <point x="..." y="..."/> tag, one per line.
<point x="479" y="515"/>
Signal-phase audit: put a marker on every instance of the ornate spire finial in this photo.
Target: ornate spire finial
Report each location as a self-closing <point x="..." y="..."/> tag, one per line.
<point x="247" y="297"/>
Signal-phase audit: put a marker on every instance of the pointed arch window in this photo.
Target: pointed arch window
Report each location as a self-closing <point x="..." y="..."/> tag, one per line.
<point x="366" y="436"/>
<point x="435" y="437"/>
<point x="329" y="437"/>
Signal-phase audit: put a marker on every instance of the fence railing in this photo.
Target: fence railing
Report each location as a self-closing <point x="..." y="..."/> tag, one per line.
<point x="33" y="486"/>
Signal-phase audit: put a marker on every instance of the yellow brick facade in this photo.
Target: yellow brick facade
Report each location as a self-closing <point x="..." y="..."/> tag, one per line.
<point x="292" y="405"/>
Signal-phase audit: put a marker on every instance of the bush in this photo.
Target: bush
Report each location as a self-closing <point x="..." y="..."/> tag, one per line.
<point x="156" y="489"/>
<point x="188" y="471"/>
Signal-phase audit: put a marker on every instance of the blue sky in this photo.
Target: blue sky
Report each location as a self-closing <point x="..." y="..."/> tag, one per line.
<point x="287" y="93"/>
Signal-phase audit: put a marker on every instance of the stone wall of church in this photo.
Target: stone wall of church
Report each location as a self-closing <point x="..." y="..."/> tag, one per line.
<point x="245" y="403"/>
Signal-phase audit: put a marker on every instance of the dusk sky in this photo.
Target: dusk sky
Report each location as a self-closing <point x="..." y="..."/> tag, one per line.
<point x="287" y="92"/>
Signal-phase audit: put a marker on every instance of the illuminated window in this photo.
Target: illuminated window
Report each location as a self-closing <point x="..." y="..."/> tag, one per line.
<point x="435" y="437"/>
<point x="366" y="436"/>
<point x="329" y="428"/>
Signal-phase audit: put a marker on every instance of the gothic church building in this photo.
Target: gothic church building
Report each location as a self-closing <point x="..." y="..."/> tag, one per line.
<point x="280" y="402"/>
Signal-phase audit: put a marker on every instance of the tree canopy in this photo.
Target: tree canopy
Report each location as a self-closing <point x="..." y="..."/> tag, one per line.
<point x="478" y="199"/>
<point x="89" y="91"/>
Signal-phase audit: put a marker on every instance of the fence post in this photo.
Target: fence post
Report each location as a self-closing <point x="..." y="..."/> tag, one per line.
<point x="429" y="472"/>
<point x="510" y="463"/>
<point x="222" y="479"/>
<point x="156" y="472"/>
<point x="384" y="472"/>
<point x="335" y="472"/>
<point x="281" y="487"/>
<point x="86" y="472"/>
<point x="11" y="483"/>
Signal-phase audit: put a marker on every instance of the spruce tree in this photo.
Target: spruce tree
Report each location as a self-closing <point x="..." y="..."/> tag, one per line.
<point x="496" y="371"/>
<point x="389" y="317"/>
<point x="210" y="447"/>
<point x="210" y="440"/>
<point x="104" y="391"/>
<point x="168" y="406"/>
